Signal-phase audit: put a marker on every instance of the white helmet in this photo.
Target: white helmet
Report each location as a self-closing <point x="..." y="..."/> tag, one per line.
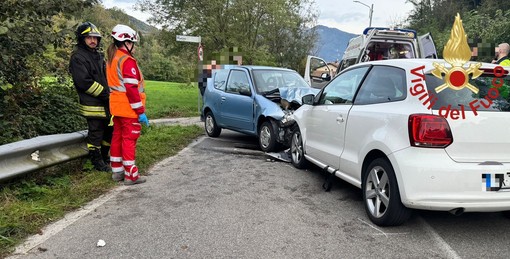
<point x="124" y="33"/>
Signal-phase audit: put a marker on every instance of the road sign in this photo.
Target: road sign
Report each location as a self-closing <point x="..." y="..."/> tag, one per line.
<point x="200" y="53"/>
<point x="185" y="38"/>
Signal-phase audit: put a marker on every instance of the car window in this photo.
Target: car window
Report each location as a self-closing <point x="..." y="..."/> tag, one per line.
<point x="383" y="84"/>
<point x="341" y="90"/>
<point x="346" y="63"/>
<point x="220" y="79"/>
<point x="491" y="95"/>
<point x="237" y="82"/>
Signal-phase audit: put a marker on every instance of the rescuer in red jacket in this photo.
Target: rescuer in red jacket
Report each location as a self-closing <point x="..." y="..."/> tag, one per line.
<point x="127" y="104"/>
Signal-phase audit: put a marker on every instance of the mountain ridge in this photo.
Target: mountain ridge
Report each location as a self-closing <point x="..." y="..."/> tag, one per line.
<point x="331" y="43"/>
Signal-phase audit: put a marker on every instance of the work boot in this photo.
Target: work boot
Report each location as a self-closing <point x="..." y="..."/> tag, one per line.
<point x="140" y="179"/>
<point x="97" y="161"/>
<point x="118" y="177"/>
<point x="105" y="153"/>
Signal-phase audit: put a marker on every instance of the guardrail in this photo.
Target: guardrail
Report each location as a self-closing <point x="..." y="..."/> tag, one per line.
<point x="30" y="155"/>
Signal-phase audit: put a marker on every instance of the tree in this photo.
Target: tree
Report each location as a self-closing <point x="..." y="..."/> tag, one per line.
<point x="26" y="28"/>
<point x="265" y="31"/>
<point x="31" y="32"/>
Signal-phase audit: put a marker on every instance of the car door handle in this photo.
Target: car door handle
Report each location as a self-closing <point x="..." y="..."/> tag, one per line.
<point x="340" y="119"/>
<point x="223" y="98"/>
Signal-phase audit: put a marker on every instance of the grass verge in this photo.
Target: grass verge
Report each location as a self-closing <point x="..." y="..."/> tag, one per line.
<point x="28" y="204"/>
<point x="171" y="100"/>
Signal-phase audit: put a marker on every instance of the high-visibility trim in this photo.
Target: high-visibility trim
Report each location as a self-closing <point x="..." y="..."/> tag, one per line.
<point x="131" y="81"/>
<point x="119" y="102"/>
<point x="92" y="111"/>
<point x="105" y="144"/>
<point x="117" y="169"/>
<point x="128" y="162"/>
<point x="92" y="147"/>
<point x="86" y="30"/>
<point x="136" y="105"/>
<point x="95" y="89"/>
<point x="115" y="159"/>
<point x="121" y="89"/>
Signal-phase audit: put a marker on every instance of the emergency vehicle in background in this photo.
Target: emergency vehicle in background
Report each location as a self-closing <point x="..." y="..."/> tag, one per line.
<point x="375" y="43"/>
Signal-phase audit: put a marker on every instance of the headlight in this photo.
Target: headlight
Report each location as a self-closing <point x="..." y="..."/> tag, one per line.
<point x="288" y="118"/>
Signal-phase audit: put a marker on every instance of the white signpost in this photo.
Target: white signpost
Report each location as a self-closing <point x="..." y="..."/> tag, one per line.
<point x="196" y="39"/>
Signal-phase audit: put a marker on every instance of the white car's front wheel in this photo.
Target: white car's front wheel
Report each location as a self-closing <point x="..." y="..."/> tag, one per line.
<point x="296" y="150"/>
<point x="381" y="196"/>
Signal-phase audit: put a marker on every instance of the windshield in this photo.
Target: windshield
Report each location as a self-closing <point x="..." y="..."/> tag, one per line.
<point x="485" y="100"/>
<point x="269" y="80"/>
<point x="390" y="50"/>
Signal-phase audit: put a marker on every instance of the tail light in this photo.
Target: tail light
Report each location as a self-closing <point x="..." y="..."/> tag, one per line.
<point x="426" y="130"/>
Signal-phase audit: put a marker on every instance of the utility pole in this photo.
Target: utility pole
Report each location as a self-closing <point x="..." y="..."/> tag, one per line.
<point x="371" y="7"/>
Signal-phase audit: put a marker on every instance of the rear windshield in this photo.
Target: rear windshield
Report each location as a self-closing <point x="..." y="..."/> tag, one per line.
<point x="390" y="50"/>
<point x="488" y="98"/>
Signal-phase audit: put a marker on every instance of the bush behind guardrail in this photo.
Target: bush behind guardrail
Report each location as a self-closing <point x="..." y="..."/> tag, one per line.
<point x="30" y="111"/>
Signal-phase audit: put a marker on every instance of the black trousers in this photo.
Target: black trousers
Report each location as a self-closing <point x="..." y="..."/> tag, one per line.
<point x="99" y="131"/>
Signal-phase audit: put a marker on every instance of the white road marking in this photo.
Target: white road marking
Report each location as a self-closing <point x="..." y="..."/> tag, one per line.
<point x="443" y="245"/>
<point x="370" y="225"/>
<point x="68" y="219"/>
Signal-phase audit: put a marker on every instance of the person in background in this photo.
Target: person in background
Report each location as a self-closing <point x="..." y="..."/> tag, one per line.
<point x="502" y="55"/>
<point x="127" y="104"/>
<point x="88" y="70"/>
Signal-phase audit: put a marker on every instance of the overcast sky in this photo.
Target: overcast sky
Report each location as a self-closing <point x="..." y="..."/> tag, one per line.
<point x="341" y="14"/>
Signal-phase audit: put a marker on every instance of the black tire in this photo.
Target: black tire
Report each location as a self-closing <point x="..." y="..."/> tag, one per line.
<point x="381" y="195"/>
<point x="211" y="128"/>
<point x="297" y="153"/>
<point x="506" y="213"/>
<point x="267" y="137"/>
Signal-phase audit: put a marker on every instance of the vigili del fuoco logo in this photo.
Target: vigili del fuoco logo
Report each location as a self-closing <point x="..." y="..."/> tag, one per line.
<point x="455" y="76"/>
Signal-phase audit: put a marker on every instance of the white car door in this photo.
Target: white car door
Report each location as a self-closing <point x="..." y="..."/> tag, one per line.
<point x="427" y="46"/>
<point x="317" y="72"/>
<point x="325" y="125"/>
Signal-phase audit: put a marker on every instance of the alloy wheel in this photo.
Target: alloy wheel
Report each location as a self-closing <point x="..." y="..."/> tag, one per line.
<point x="377" y="191"/>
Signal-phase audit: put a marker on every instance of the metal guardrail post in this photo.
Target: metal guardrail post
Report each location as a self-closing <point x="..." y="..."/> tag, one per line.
<point x="30" y="155"/>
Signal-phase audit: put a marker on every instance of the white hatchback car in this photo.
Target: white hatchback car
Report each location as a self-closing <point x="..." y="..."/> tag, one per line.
<point x="411" y="139"/>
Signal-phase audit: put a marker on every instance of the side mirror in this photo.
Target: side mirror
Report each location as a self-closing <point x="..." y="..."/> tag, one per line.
<point x="245" y="91"/>
<point x="308" y="99"/>
<point x="325" y="77"/>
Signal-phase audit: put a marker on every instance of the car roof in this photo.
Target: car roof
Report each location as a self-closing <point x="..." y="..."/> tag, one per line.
<point x="253" y="67"/>
<point x="417" y="62"/>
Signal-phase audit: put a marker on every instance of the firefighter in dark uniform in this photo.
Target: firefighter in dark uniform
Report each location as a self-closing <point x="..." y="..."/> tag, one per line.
<point x="88" y="69"/>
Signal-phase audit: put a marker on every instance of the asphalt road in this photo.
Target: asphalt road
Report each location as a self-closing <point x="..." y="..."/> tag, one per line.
<point x="222" y="198"/>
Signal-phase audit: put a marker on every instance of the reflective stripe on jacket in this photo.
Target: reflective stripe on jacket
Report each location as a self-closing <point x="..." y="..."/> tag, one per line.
<point x="119" y="102"/>
<point x="505" y="62"/>
<point x="88" y="71"/>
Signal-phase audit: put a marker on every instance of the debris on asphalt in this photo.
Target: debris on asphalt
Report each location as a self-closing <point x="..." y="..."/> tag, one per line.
<point x="101" y="243"/>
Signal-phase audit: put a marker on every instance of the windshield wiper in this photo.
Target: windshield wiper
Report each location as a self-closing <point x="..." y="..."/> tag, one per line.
<point x="271" y="91"/>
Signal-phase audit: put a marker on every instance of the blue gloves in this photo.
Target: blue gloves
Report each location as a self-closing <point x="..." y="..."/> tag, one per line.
<point x="142" y="118"/>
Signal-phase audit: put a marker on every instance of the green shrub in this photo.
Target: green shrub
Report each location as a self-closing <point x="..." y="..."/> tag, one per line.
<point x="46" y="108"/>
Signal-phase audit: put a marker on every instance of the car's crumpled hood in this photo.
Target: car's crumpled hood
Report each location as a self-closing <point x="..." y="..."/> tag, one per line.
<point x="295" y="94"/>
<point x="272" y="109"/>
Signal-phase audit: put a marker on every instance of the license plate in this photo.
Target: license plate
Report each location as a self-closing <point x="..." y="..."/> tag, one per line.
<point x="496" y="182"/>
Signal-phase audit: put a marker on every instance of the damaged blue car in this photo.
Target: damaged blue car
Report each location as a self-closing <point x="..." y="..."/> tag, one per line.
<point x="254" y="100"/>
